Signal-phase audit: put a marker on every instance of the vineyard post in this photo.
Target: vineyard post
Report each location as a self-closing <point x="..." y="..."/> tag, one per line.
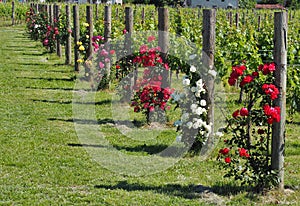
<point x="36" y="8"/>
<point x="107" y="37"/>
<point x="89" y="20"/>
<point x="129" y="28"/>
<point x="143" y="15"/>
<point x="57" y="16"/>
<point x="68" y="48"/>
<point x="128" y="42"/>
<point x="208" y="51"/>
<point x="117" y="13"/>
<point x="163" y="40"/>
<point x="280" y="58"/>
<point x="47" y="11"/>
<point x="230" y="18"/>
<point x="76" y="35"/>
<point x="258" y="23"/>
<point x="51" y="14"/>
<point x="237" y="20"/>
<point x="97" y="11"/>
<point x="13" y="13"/>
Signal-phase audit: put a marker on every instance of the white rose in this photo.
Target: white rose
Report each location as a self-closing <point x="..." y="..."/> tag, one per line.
<point x="193" y="68"/>
<point x="186" y="82"/>
<point x="203" y="102"/>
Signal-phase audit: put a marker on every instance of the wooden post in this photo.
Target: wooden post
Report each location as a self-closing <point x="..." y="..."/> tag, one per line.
<point x="129" y="28"/>
<point x="57" y="16"/>
<point x="208" y="51"/>
<point x="51" y="14"/>
<point x="143" y="15"/>
<point x="76" y="35"/>
<point x="97" y="12"/>
<point x="230" y="18"/>
<point x="12" y="13"/>
<point x="107" y="23"/>
<point x="163" y="40"/>
<point x="117" y="13"/>
<point x="36" y="8"/>
<point x="107" y="37"/>
<point x="280" y="59"/>
<point x="237" y="20"/>
<point x="89" y="20"/>
<point x="258" y="23"/>
<point x="68" y="49"/>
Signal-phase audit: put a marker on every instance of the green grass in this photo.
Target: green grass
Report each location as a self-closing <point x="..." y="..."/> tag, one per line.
<point x="44" y="161"/>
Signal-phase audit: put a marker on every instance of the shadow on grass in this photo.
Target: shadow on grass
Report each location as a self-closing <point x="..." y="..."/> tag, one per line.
<point x="35" y="54"/>
<point x="230" y="189"/>
<point x="51" y="101"/>
<point x="149" y="149"/>
<point x="52" y="88"/>
<point x="128" y="123"/>
<point x="186" y="191"/>
<point x="50" y="78"/>
<point x="70" y="102"/>
<point x="43" y="70"/>
<point x="23" y="47"/>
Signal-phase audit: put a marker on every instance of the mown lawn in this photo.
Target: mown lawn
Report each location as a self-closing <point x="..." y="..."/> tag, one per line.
<point x="44" y="162"/>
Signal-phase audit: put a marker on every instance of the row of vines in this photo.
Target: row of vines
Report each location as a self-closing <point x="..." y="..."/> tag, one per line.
<point x="248" y="40"/>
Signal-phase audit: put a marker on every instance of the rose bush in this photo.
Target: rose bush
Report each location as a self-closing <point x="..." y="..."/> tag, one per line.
<point x="246" y="155"/>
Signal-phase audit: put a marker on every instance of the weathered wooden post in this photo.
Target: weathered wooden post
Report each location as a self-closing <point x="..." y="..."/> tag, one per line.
<point x="129" y="29"/>
<point x="89" y="20"/>
<point x="259" y="23"/>
<point x="12" y="13"/>
<point x="143" y="15"/>
<point x="230" y="18"/>
<point x="208" y="52"/>
<point x="163" y="41"/>
<point x="57" y="16"/>
<point x="237" y="18"/>
<point x="76" y="35"/>
<point x="280" y="59"/>
<point x="97" y="12"/>
<point x="107" y="38"/>
<point x="51" y="14"/>
<point x="68" y="49"/>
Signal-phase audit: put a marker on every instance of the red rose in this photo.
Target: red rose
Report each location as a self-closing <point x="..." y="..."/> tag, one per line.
<point x="267" y="68"/>
<point x="271" y="90"/>
<point x="255" y="74"/>
<point x="247" y="79"/>
<point x="224" y="151"/>
<point x="227" y="160"/>
<point x="243" y="152"/>
<point x="151" y="38"/>
<point x="244" y="112"/>
<point x="231" y="81"/>
<point x="272" y="113"/>
<point x="236" y="114"/>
